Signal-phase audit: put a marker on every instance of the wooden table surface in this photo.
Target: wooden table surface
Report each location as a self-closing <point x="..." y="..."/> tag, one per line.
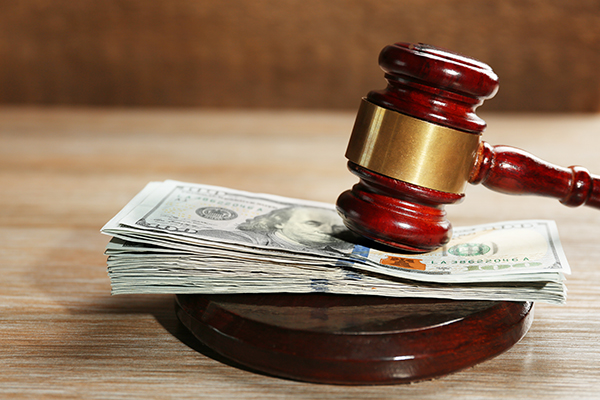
<point x="65" y="172"/>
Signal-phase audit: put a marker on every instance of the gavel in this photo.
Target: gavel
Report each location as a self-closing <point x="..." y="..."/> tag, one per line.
<point x="416" y="143"/>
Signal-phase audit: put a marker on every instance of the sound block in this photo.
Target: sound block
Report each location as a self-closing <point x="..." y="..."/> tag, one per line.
<point x="353" y="340"/>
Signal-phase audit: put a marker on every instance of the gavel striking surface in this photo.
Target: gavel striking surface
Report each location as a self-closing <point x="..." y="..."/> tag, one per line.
<point x="353" y="340"/>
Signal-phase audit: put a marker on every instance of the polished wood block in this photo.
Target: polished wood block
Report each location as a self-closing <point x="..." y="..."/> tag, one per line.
<point x="353" y="340"/>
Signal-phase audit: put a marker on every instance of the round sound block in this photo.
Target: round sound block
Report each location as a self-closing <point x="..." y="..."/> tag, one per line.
<point x="357" y="340"/>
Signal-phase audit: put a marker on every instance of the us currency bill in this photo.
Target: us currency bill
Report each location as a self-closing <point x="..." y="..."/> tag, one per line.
<point x="177" y="237"/>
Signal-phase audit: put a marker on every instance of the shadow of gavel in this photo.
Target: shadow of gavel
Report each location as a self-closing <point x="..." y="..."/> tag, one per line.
<point x="416" y="144"/>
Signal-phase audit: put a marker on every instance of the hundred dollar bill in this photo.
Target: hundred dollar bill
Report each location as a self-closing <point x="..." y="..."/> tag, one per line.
<point x="213" y="220"/>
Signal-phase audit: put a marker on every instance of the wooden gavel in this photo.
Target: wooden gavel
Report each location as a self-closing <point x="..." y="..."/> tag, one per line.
<point x="416" y="144"/>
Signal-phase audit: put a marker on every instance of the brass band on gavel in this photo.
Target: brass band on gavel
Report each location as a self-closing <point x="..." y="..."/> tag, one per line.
<point x="412" y="150"/>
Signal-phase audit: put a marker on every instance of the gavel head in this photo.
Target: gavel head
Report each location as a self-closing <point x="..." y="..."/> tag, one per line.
<point x="414" y="145"/>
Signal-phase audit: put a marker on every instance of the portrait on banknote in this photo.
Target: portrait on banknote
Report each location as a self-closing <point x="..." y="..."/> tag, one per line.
<point x="295" y="227"/>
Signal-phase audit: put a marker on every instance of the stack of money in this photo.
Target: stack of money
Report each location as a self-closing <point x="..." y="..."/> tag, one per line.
<point x="176" y="237"/>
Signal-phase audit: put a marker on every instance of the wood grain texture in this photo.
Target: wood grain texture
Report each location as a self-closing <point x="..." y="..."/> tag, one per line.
<point x="64" y="173"/>
<point x="294" y="53"/>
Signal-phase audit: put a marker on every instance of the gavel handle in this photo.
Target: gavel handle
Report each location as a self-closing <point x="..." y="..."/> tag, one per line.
<point x="513" y="171"/>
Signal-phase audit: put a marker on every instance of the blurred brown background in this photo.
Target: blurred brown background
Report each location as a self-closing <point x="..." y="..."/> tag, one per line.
<point x="287" y="53"/>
